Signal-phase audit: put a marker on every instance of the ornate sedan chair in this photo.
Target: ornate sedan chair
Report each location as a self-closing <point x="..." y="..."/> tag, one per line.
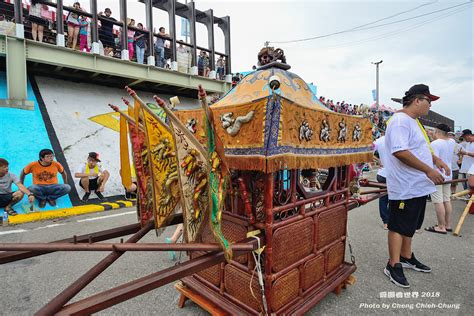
<point x="290" y="160"/>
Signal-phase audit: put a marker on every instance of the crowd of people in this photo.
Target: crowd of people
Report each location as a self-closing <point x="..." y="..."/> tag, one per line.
<point x="92" y="177"/>
<point x="378" y="116"/>
<point x="413" y="169"/>
<point x="78" y="35"/>
<point x="343" y="107"/>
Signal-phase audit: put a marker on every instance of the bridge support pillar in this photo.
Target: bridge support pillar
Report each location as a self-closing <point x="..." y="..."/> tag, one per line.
<point x="17" y="93"/>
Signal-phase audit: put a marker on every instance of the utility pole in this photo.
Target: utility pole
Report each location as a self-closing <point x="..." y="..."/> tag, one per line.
<point x="377" y="81"/>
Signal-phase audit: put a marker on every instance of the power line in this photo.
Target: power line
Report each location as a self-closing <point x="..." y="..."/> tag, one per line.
<point x="396" y="32"/>
<point x="418" y="16"/>
<point x="361" y="28"/>
<point x="392" y="33"/>
<point x="392" y="16"/>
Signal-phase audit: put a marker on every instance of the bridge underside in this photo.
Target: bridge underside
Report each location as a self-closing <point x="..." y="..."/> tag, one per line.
<point x="63" y="63"/>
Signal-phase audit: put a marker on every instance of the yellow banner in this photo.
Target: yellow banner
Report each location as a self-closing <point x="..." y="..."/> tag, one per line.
<point x="164" y="170"/>
<point x="193" y="177"/>
<point x="125" y="169"/>
<point x="109" y="120"/>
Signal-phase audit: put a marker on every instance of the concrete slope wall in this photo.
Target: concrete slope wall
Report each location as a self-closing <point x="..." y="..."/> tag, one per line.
<point x="23" y="135"/>
<point x="70" y="105"/>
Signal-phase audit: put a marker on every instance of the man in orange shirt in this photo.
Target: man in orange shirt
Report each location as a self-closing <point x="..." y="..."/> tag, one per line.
<point x="45" y="178"/>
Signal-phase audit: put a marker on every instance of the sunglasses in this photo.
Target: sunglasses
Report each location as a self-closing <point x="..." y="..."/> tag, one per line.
<point x="427" y="99"/>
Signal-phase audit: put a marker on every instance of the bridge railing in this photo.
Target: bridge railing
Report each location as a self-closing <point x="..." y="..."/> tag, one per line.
<point x="179" y="55"/>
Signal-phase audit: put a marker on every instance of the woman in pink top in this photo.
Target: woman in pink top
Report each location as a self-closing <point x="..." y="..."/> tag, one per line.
<point x="130" y="36"/>
<point x="73" y="26"/>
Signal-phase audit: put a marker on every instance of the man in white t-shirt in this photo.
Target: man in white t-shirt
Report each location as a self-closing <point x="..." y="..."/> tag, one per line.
<point x="468" y="153"/>
<point x="379" y="147"/>
<point x="92" y="176"/>
<point x="443" y="148"/>
<point x="411" y="176"/>
<point x="470" y="176"/>
<point x="454" y="161"/>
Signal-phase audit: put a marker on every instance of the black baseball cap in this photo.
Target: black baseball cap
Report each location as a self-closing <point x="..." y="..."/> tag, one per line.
<point x="94" y="156"/>
<point x="421" y="89"/>
<point x="466" y="132"/>
<point x="443" y="127"/>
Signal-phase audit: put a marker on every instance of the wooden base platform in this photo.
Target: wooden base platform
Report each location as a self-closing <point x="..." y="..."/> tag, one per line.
<point x="217" y="304"/>
<point x="204" y="302"/>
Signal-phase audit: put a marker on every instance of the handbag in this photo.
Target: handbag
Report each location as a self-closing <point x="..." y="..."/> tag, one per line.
<point x="46" y="14"/>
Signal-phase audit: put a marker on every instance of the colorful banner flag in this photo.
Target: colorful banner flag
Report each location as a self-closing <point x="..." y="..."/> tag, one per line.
<point x="140" y="161"/>
<point x="193" y="170"/>
<point x="163" y="166"/>
<point x="374" y="94"/>
<point x="109" y="120"/>
<point x="125" y="169"/>
<point x="218" y="176"/>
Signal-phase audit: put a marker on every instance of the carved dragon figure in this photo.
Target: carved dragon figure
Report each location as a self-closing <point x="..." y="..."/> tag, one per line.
<point x="325" y="131"/>
<point x="357" y="133"/>
<point x="191" y="125"/>
<point x="270" y="54"/>
<point x="306" y="133"/>
<point x="231" y="125"/>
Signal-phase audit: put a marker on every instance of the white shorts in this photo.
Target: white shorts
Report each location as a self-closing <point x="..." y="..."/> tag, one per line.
<point x="442" y="194"/>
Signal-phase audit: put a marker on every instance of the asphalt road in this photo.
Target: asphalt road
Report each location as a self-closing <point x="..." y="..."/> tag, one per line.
<point x="29" y="284"/>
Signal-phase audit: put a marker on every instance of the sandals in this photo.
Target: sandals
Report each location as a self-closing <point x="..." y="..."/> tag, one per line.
<point x="10" y="211"/>
<point x="432" y="229"/>
<point x="449" y="230"/>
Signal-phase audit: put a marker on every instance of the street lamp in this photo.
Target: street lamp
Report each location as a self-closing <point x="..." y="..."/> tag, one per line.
<point x="377" y="81"/>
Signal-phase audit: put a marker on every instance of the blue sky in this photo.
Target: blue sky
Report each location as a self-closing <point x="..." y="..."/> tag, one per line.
<point x="436" y="49"/>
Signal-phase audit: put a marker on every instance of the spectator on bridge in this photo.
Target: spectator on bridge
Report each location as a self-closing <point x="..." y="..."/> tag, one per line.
<point x="7" y="197"/>
<point x="106" y="35"/>
<point x="37" y="22"/>
<point x="205" y="65"/>
<point x="443" y="148"/>
<point x="200" y="63"/>
<point x="220" y="65"/>
<point x="183" y="57"/>
<point x="73" y="26"/>
<point x="160" y="48"/>
<point x="130" y="39"/>
<point x="83" y="33"/>
<point x="140" y="44"/>
<point x="412" y="175"/>
<point x="45" y="178"/>
<point x="93" y="176"/>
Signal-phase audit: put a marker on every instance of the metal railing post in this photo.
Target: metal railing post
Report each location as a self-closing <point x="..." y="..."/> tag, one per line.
<point x="94" y="27"/>
<point x="225" y="27"/>
<point x="124" y="34"/>
<point x="151" y="38"/>
<point x="60" y="24"/>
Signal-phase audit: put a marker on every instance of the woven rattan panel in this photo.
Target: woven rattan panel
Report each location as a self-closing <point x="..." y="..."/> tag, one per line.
<point x="237" y="284"/>
<point x="313" y="271"/>
<point x="335" y="256"/>
<point x="210" y="274"/>
<point x="232" y="231"/>
<point x="331" y="225"/>
<point x="285" y="289"/>
<point x="292" y="243"/>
